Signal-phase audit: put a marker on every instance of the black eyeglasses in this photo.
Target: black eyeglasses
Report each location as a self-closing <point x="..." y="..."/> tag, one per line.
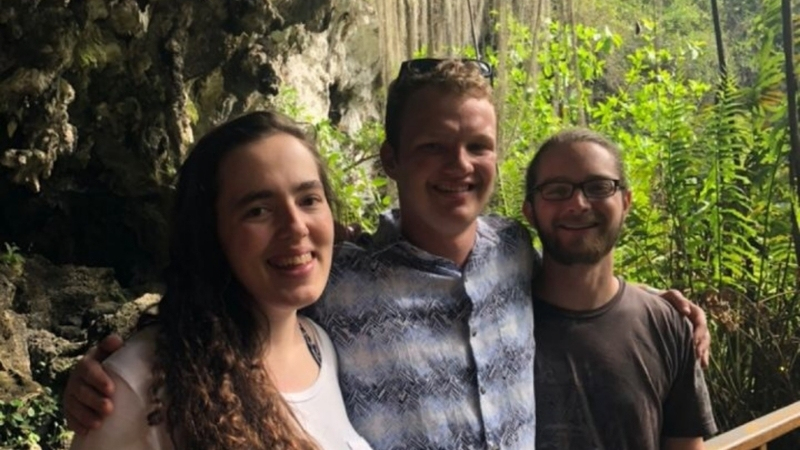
<point x="425" y="65"/>
<point x="593" y="189"/>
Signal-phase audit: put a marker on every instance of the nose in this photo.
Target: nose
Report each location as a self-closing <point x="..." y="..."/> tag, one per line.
<point x="293" y="224"/>
<point x="578" y="201"/>
<point x="459" y="160"/>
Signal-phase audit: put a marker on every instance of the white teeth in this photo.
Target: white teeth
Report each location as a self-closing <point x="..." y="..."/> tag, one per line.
<point x="453" y="188"/>
<point x="577" y="226"/>
<point x="290" y="261"/>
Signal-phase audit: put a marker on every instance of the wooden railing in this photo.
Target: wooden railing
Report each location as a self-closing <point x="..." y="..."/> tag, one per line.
<point x="757" y="433"/>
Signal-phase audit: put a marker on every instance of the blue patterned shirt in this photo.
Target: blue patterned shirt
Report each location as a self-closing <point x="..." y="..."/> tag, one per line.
<point x="432" y="356"/>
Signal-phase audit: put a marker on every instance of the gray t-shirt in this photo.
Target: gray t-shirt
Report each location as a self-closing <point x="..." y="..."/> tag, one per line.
<point x="623" y="376"/>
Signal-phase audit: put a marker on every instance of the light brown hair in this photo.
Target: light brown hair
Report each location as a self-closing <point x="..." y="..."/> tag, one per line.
<point x="450" y="76"/>
<point x="565" y="138"/>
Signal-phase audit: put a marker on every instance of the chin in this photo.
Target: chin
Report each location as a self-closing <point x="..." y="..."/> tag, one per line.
<point x="460" y="217"/>
<point x="300" y="297"/>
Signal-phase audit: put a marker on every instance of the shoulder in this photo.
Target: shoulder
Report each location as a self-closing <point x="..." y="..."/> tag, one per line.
<point x="507" y="239"/>
<point x="127" y="427"/>
<point x="501" y="224"/>
<point x="133" y="363"/>
<point x="139" y="348"/>
<point x="658" y="312"/>
<point x="503" y="232"/>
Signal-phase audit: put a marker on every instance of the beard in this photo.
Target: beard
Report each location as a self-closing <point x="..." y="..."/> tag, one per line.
<point x="588" y="250"/>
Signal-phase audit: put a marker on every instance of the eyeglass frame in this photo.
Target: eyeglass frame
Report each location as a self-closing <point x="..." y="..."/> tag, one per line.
<point x="426" y="65"/>
<point x="617" y="184"/>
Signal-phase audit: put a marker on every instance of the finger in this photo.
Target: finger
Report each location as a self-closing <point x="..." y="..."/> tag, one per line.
<point x="678" y="301"/>
<point x="92" y="377"/>
<point x="705" y="359"/>
<point x="90" y="398"/>
<point x="705" y="342"/>
<point x="702" y="354"/>
<point x="701" y="315"/>
<point x="72" y="424"/>
<point x="682" y="303"/>
<point x="108" y="345"/>
<point x="77" y="429"/>
<point x="80" y="418"/>
<point x="702" y="343"/>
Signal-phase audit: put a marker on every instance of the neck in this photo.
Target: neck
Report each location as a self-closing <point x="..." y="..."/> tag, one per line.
<point x="577" y="287"/>
<point x="286" y="356"/>
<point x="454" y="247"/>
<point x="284" y="333"/>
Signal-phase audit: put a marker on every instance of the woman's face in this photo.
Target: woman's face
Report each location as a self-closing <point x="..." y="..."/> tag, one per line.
<point x="275" y="225"/>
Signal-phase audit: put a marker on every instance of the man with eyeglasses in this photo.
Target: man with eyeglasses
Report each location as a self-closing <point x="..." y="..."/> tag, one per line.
<point x="615" y="365"/>
<point x="431" y="316"/>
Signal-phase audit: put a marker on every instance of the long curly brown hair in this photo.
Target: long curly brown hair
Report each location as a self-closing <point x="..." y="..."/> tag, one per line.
<point x="210" y="385"/>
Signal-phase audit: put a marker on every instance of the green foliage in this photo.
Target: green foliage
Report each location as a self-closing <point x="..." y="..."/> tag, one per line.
<point x="12" y="259"/>
<point x="361" y="193"/>
<point x="351" y="160"/>
<point x="11" y="256"/>
<point x="30" y="422"/>
<point x="707" y="161"/>
<point x="535" y="105"/>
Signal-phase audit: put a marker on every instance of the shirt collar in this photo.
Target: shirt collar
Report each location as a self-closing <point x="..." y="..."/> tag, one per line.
<point x="388" y="234"/>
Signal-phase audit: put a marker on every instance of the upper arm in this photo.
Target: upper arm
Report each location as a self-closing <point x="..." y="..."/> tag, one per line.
<point x="687" y="407"/>
<point x="126" y="428"/>
<point x="684" y="444"/>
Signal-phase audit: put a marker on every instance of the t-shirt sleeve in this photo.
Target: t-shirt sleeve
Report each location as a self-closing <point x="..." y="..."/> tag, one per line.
<point x="126" y="428"/>
<point x="687" y="409"/>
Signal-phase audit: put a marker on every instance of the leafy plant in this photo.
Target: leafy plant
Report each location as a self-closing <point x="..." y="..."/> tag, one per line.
<point x="31" y="422"/>
<point x="707" y="161"/>
<point x="351" y="159"/>
<point x="12" y="259"/>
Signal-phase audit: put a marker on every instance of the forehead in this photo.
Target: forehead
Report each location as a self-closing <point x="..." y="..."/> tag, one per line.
<point x="430" y="110"/>
<point x="576" y="161"/>
<point x="266" y="163"/>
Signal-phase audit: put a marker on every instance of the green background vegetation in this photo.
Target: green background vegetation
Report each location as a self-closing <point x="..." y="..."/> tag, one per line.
<point x="715" y="211"/>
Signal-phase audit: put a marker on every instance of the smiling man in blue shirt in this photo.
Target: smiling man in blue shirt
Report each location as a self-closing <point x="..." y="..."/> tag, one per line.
<point x="432" y="316"/>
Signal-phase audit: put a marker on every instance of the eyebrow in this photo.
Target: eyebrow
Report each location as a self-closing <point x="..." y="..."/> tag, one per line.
<point x="266" y="194"/>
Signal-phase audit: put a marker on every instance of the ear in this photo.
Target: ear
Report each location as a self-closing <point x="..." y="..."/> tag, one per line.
<point x="388" y="160"/>
<point x="627" y="196"/>
<point x="527" y="211"/>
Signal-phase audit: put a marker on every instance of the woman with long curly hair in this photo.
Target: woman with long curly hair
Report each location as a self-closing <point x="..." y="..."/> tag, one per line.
<point x="226" y="362"/>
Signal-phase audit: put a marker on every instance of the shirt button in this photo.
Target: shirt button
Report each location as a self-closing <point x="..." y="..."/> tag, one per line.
<point x="483" y="391"/>
<point x="474" y="333"/>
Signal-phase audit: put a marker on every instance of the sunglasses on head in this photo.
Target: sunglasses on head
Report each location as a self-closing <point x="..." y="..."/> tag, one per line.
<point x="425" y="65"/>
